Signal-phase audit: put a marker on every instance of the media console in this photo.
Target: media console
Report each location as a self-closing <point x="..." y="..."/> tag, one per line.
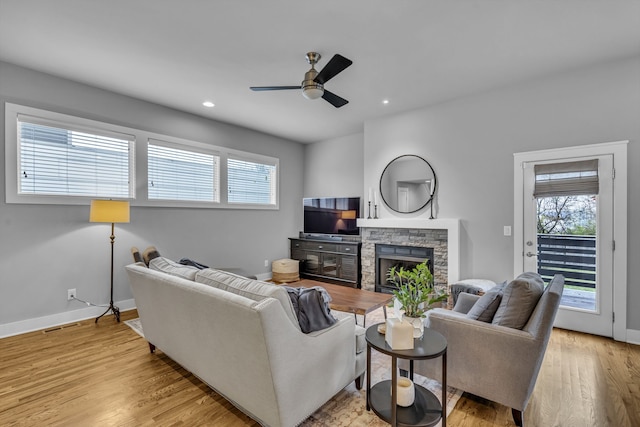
<point x="330" y="260"/>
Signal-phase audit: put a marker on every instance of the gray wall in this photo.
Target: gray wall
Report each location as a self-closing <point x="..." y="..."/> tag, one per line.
<point x="46" y="249"/>
<point x="334" y="168"/>
<point x="470" y="143"/>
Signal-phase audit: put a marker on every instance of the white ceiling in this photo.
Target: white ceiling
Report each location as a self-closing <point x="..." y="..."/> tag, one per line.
<point x="413" y="53"/>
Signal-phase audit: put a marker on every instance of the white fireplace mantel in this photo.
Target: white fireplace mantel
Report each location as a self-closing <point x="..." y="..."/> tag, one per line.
<point x="452" y="225"/>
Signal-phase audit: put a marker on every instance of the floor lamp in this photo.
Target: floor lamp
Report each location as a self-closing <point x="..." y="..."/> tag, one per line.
<point x="110" y="211"/>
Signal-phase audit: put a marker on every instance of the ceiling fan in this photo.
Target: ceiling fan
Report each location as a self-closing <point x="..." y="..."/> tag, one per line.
<point x="313" y="84"/>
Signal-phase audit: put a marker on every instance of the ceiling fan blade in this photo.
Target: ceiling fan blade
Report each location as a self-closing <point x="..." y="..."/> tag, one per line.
<point x="261" y="88"/>
<point x="334" y="99"/>
<point x="336" y="65"/>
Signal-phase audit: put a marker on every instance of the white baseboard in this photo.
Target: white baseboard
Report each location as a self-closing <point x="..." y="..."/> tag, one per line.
<point x="633" y="336"/>
<point x="30" y="325"/>
<point x="263" y="276"/>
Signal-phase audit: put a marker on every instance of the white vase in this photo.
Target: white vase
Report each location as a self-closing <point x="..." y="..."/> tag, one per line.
<point x="417" y="323"/>
<point x="406" y="392"/>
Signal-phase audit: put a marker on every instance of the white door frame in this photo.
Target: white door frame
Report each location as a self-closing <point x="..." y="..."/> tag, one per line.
<point x="619" y="151"/>
<point x="403" y="199"/>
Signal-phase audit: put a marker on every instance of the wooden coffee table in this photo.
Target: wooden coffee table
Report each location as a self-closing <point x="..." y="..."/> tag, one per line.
<point x="348" y="299"/>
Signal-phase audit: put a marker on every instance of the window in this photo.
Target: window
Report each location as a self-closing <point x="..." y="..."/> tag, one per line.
<point x="54" y="158"/>
<point x="251" y="182"/>
<point x="182" y="174"/>
<point x="60" y="159"/>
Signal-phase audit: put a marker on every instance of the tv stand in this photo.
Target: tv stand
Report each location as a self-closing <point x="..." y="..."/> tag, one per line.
<point x="334" y="261"/>
<point x="326" y="238"/>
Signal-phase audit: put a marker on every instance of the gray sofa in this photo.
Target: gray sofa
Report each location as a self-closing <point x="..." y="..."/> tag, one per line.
<point x="496" y="362"/>
<point x="241" y="337"/>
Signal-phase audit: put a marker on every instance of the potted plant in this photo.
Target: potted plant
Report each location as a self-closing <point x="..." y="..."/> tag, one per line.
<point x="415" y="293"/>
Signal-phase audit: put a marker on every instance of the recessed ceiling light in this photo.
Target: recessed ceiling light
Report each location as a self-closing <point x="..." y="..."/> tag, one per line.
<point x="208" y="104"/>
<point x="385" y="101"/>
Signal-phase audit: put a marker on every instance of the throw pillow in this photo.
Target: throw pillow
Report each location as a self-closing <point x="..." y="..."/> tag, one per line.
<point x="519" y="299"/>
<point x="137" y="257"/>
<point x="485" y="308"/>
<point x="173" y="268"/>
<point x="150" y="253"/>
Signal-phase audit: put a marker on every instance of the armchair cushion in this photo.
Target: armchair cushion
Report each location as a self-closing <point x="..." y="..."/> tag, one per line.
<point x="519" y="298"/>
<point x="485" y="308"/>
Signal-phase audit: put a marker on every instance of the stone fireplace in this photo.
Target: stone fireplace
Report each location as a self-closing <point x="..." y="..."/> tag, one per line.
<point x="438" y="238"/>
<point x="406" y="257"/>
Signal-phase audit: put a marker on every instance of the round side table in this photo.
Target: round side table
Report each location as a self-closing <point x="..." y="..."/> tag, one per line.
<point x="382" y="397"/>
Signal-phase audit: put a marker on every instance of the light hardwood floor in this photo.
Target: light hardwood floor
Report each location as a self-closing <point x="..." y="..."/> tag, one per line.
<point x="103" y="375"/>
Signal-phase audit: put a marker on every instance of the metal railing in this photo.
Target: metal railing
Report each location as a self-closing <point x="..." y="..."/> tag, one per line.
<point x="572" y="256"/>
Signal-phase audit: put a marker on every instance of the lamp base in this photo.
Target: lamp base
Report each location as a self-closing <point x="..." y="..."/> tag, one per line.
<point x="114" y="309"/>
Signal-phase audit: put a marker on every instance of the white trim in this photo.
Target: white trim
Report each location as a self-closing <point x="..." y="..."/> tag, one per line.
<point x="633" y="336"/>
<point x="620" y="257"/>
<point x="45" y="322"/>
<point x="452" y="225"/>
<point x="265" y="277"/>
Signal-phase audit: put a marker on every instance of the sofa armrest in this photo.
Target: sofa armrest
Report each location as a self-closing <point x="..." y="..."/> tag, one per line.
<point x="309" y="367"/>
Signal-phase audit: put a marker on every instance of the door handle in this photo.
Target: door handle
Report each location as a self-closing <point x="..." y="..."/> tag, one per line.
<point x="530" y="254"/>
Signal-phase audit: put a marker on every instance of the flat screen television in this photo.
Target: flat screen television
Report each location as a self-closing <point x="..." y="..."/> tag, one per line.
<point x="331" y="215"/>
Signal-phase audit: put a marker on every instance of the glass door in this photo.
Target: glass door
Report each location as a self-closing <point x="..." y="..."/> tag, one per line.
<point x="568" y="230"/>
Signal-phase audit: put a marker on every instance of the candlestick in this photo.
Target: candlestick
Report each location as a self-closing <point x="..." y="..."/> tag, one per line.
<point x="369" y="212"/>
<point x="375" y="214"/>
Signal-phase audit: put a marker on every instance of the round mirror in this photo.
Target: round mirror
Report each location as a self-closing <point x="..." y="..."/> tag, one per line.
<point x="407" y="184"/>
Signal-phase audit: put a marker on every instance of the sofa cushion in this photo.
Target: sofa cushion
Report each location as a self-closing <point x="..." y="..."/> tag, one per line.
<point x="249" y="288"/>
<point x="485" y="308"/>
<point x="519" y="299"/>
<point x="173" y="268"/>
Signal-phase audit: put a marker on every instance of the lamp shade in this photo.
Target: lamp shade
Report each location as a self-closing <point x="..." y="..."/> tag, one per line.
<point x="109" y="211"/>
<point x="348" y="214"/>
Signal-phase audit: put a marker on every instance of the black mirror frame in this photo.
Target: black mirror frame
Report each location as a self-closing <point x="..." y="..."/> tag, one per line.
<point x="435" y="184"/>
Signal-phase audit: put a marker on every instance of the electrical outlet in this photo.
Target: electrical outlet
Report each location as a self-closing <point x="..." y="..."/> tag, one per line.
<point x="507" y="230"/>
<point x="71" y="294"/>
<point x="266" y="263"/>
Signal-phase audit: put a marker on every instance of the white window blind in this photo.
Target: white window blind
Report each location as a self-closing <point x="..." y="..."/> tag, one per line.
<point x="566" y="179"/>
<point x="251" y="182"/>
<point x="64" y="160"/>
<point x="182" y="174"/>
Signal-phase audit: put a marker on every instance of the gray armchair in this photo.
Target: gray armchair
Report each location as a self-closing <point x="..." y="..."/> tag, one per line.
<point x="491" y="361"/>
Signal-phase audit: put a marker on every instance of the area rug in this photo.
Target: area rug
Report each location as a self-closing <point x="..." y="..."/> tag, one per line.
<point x="347" y="408"/>
<point x="135" y="325"/>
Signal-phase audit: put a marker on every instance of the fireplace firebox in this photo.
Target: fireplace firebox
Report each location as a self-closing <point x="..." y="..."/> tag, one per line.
<point x="388" y="256"/>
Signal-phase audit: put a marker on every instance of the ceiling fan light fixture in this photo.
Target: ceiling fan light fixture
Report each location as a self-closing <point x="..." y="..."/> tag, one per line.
<point x="312" y="86"/>
<point x="312" y="90"/>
